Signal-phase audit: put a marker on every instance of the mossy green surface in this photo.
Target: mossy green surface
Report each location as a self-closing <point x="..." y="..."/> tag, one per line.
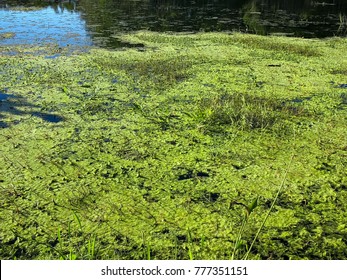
<point x="136" y="152"/>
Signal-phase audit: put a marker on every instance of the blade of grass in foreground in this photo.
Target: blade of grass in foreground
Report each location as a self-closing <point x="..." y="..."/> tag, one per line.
<point x="272" y="205"/>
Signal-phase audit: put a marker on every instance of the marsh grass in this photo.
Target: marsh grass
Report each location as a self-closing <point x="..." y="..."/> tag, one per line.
<point x="245" y="111"/>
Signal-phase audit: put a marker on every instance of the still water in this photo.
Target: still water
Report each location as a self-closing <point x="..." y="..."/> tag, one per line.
<point x="99" y="22"/>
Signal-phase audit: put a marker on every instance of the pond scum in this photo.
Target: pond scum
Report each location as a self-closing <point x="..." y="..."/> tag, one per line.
<point x="175" y="150"/>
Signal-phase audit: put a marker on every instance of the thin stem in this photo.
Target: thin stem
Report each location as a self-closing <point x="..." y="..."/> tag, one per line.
<point x="272" y="205"/>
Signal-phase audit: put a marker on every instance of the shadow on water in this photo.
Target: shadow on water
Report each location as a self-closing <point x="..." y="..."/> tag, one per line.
<point x="12" y="105"/>
<point x="52" y="118"/>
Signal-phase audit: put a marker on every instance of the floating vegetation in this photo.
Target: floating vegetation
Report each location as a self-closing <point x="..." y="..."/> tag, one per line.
<point x="197" y="146"/>
<point x="7" y="35"/>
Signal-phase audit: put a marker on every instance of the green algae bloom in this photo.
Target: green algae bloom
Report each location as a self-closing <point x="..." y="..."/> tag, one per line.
<point x="153" y="152"/>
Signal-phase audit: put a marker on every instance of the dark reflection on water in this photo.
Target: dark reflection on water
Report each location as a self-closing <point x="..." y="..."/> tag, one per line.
<point x="85" y="22"/>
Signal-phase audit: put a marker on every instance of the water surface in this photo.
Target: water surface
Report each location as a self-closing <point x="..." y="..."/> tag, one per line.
<point x="43" y="25"/>
<point x="99" y="22"/>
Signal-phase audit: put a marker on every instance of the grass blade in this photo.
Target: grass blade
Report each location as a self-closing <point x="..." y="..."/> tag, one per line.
<point x="272" y="206"/>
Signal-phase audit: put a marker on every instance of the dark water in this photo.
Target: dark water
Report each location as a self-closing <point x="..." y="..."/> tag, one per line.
<point x="99" y="22"/>
<point x="4" y="96"/>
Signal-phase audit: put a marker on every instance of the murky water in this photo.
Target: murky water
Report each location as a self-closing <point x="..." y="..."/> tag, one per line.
<point x="99" y="22"/>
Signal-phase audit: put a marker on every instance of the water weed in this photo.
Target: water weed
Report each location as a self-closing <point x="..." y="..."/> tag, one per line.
<point x="141" y="154"/>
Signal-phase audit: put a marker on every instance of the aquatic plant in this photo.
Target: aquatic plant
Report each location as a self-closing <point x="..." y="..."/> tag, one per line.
<point x="158" y="153"/>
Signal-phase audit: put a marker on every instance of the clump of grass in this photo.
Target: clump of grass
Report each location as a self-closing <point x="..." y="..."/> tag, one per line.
<point x="245" y="111"/>
<point x="276" y="44"/>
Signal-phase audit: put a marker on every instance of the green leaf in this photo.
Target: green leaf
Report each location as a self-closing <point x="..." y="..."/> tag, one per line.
<point x="252" y="206"/>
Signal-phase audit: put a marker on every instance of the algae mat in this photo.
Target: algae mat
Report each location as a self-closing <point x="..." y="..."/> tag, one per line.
<point x="175" y="150"/>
